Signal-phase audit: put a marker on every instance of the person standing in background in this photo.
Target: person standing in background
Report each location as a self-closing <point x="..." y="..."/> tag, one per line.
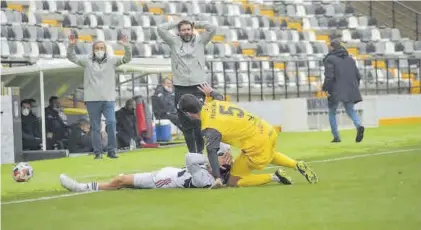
<point x="188" y="69"/>
<point x="342" y="81"/>
<point x="100" y="89"/>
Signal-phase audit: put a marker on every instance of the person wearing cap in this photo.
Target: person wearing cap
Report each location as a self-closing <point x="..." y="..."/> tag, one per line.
<point x="342" y="81"/>
<point x="99" y="89"/>
<point x="188" y="69"/>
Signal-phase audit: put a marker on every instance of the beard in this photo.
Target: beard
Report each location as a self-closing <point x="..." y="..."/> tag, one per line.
<point x="186" y="38"/>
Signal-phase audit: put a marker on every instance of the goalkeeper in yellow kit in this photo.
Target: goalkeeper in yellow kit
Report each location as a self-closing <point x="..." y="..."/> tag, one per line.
<point x="223" y="121"/>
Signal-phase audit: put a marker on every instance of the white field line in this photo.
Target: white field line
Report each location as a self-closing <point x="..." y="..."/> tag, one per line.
<point x="313" y="162"/>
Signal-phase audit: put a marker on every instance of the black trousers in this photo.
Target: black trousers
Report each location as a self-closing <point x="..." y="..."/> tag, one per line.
<point x="173" y="117"/>
<point x="191" y="130"/>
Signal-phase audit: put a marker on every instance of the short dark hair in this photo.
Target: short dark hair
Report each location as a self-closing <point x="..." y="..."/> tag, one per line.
<point x="130" y="101"/>
<point x="184" y="22"/>
<point x="52" y="99"/>
<point x="335" y="43"/>
<point x="26" y="101"/>
<point x="190" y="103"/>
<point x="83" y="121"/>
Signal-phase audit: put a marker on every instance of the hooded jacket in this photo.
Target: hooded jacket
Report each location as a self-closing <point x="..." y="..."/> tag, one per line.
<point x="99" y="75"/>
<point x="187" y="58"/>
<point x="342" y="78"/>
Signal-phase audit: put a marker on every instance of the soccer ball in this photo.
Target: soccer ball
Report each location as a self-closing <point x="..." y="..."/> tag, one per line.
<point x="22" y="172"/>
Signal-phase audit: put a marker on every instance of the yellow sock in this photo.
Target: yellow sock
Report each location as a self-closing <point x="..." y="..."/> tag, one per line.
<point x="254" y="179"/>
<point x="283" y="160"/>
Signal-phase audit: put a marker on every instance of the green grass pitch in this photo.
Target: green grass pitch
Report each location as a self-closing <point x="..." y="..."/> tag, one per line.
<point x="375" y="184"/>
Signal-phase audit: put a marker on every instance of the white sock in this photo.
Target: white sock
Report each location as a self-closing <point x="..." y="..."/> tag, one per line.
<point x="93" y="186"/>
<point x="275" y="178"/>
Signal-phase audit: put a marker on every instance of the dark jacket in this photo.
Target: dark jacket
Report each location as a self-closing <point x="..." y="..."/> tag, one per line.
<point x="79" y="141"/>
<point x="55" y="124"/>
<point x="163" y="102"/>
<point x="31" y="129"/>
<point x="126" y="126"/>
<point x="342" y="78"/>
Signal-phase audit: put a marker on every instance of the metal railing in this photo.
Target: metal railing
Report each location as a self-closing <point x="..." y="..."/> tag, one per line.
<point x="283" y="79"/>
<point x="393" y="14"/>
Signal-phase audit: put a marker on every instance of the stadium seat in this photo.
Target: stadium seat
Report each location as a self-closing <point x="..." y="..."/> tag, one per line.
<point x="53" y="6"/>
<point x="11" y="36"/>
<point x="110" y="35"/>
<point x="362" y="22"/>
<point x="323" y="23"/>
<point x="408" y="46"/>
<point x="16" y="50"/>
<point x="396" y="35"/>
<point x="61" y="35"/>
<point x="46" y="49"/>
<point x="157" y="20"/>
<point x="30" y="33"/>
<point x="417" y="47"/>
<point x="34" y="50"/>
<point x="26" y="49"/>
<point x="60" y="7"/>
<point x="131" y="7"/>
<point x="117" y="6"/>
<point x="5" y="50"/>
<point x="120" y="21"/>
<point x="51" y="33"/>
<point x="3" y="17"/>
<point x="70" y="20"/>
<point x="102" y="7"/>
<point x="4" y="33"/>
<point x="90" y="21"/>
<point x="72" y="6"/>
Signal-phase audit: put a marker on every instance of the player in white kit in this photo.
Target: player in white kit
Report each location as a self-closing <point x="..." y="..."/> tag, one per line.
<point x="197" y="174"/>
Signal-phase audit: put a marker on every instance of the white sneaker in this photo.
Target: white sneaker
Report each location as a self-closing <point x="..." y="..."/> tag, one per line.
<point x="72" y="185"/>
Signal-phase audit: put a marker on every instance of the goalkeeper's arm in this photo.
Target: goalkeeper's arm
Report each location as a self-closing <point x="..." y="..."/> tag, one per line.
<point x="212" y="142"/>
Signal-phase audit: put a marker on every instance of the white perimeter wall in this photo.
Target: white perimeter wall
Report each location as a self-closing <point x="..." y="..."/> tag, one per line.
<point x="292" y="114"/>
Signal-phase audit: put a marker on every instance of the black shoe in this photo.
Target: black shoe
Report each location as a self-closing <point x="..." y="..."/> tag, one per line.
<point x="336" y="140"/>
<point x="112" y="155"/>
<point x="283" y="177"/>
<point x="360" y="134"/>
<point x="98" y="156"/>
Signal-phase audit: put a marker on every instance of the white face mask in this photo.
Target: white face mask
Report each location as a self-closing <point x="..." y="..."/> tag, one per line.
<point x="25" y="112"/>
<point x="99" y="54"/>
<point x="169" y="89"/>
